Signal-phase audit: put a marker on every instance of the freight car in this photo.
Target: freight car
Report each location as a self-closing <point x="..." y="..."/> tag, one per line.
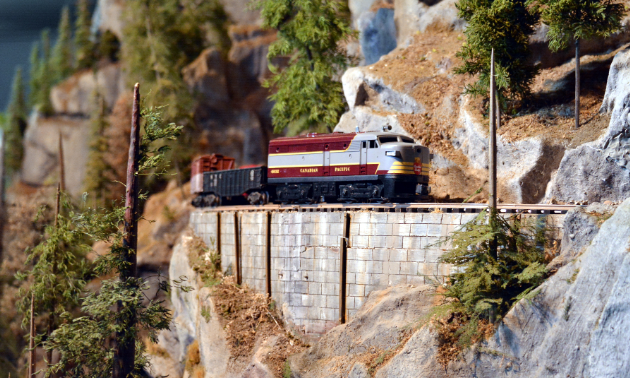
<point x="344" y="167"/>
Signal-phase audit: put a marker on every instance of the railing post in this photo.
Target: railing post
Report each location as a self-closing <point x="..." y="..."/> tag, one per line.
<point x="218" y="239"/>
<point x="268" y="257"/>
<point x="237" y="249"/>
<point x="343" y="253"/>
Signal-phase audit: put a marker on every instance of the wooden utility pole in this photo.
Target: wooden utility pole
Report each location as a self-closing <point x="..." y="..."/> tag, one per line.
<point x="31" y="342"/>
<point x="577" y="83"/>
<point x="237" y="250"/>
<point x="62" y="170"/>
<point x="492" y="155"/>
<point x="125" y="348"/>
<point x="343" y="253"/>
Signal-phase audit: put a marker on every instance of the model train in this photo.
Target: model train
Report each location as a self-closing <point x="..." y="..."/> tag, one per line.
<point x="343" y="167"/>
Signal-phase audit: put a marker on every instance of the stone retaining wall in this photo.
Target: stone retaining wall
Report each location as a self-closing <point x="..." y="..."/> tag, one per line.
<point x="384" y="249"/>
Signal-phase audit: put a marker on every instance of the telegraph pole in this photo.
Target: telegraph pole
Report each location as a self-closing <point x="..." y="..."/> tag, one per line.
<point x="492" y="158"/>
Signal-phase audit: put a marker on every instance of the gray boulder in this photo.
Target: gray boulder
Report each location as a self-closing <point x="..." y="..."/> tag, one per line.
<point x="108" y="15"/>
<point x="377" y="34"/>
<point x="599" y="171"/>
<point x="414" y="16"/>
<point x="75" y="95"/>
<point x="40" y="165"/>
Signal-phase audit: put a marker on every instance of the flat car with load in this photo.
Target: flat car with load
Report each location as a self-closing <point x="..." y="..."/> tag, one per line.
<point x="312" y="168"/>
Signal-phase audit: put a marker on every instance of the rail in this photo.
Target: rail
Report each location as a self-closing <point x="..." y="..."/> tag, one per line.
<point x="407" y="207"/>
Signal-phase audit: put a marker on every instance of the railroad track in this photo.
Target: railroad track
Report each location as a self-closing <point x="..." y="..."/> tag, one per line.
<point x="400" y="207"/>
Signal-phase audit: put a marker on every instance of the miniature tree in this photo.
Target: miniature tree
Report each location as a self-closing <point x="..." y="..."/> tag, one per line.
<point x="43" y="78"/>
<point x="108" y="46"/>
<point x="57" y="276"/>
<point x="310" y="32"/>
<point x="34" y="80"/>
<point x="98" y="171"/>
<point x="506" y="26"/>
<point x="117" y="309"/>
<point x="16" y="124"/>
<point x="83" y="45"/>
<point x="576" y="20"/>
<point x="61" y="63"/>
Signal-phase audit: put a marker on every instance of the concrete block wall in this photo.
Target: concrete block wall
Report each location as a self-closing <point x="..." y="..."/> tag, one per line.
<point x="385" y="249"/>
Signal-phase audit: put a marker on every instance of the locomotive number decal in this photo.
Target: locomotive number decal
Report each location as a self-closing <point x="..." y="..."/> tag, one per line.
<point x="417" y="166"/>
<point x="275" y="171"/>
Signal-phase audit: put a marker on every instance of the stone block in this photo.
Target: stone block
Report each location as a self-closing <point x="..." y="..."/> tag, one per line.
<point x="319" y="301"/>
<point x="399" y="229"/>
<point x="360" y="217"/>
<point x="379" y="280"/>
<point x="394" y="241"/>
<point x="432" y="218"/>
<point x="380" y="254"/>
<point x="452" y="218"/>
<point x="415" y="280"/>
<point x="412" y="242"/>
<point x="332" y="276"/>
<point x="363" y="278"/>
<point x="427" y="269"/>
<point x="312" y="312"/>
<point x="308" y="253"/>
<point x="377" y="267"/>
<point x="357" y="241"/>
<point x="336" y="229"/>
<point x="366" y="229"/>
<point x="397" y="279"/>
<point x="329" y="314"/>
<point x="295" y="299"/>
<point x="395" y="218"/>
<point x="301" y="287"/>
<point x="351" y="278"/>
<point x="356" y="290"/>
<point x="306" y="264"/>
<point x="409" y="268"/>
<point x="419" y="229"/>
<point x="413" y="217"/>
<point x="383" y="229"/>
<point x="378" y="218"/>
<point x="468" y="217"/>
<point x="433" y="254"/>
<point x="307" y="300"/>
<point x="398" y="255"/>
<point x="300" y="312"/>
<point x="358" y="302"/>
<point x="332" y="301"/>
<point x="390" y="267"/>
<point x="319" y="276"/>
<point x="378" y="242"/>
<point x="314" y="288"/>
<point x="416" y="255"/>
<point x="349" y="303"/>
<point x="329" y="288"/>
<point x="435" y="230"/>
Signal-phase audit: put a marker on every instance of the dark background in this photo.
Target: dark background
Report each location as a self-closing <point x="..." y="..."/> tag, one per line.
<point x="21" y="22"/>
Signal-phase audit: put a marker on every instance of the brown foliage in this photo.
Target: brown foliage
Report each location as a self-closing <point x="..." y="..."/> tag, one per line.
<point x="452" y="328"/>
<point x="249" y="317"/>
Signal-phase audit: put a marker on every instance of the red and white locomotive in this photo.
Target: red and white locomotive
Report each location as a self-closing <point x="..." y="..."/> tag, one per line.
<point x="344" y="167"/>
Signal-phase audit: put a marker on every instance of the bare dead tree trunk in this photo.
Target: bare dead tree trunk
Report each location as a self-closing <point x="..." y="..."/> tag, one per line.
<point x="492" y="150"/>
<point x="51" y="315"/>
<point x="577" y="83"/>
<point x="1" y="194"/>
<point x="31" y="343"/>
<point x="62" y="170"/>
<point x="125" y="349"/>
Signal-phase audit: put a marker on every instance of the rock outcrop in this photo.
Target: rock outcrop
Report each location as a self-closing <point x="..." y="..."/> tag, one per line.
<point x="600" y="171"/>
<point x="75" y="95"/>
<point x="40" y="165"/>
<point x="377" y="33"/>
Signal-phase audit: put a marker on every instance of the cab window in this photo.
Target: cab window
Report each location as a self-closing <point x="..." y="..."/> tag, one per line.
<point x="388" y="139"/>
<point x="405" y="139"/>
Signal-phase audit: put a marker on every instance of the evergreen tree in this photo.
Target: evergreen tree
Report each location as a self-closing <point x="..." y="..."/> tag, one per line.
<point x="83" y="343"/>
<point x="83" y="45"/>
<point x="97" y="168"/>
<point x="57" y="276"/>
<point x="309" y="31"/>
<point x="506" y="26"/>
<point x="160" y="39"/>
<point x="16" y="124"/>
<point x="108" y="46"/>
<point x="44" y="78"/>
<point x="61" y="63"/>
<point x="34" y="80"/>
<point x="576" y="20"/>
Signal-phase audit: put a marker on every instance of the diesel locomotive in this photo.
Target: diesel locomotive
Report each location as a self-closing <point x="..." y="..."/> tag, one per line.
<point x="337" y="167"/>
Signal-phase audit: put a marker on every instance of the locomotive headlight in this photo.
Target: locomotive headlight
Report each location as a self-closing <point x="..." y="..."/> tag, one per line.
<point x="392" y="153"/>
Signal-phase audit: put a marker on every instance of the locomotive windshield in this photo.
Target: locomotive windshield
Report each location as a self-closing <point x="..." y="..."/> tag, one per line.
<point x="405" y="139"/>
<point x="388" y="139"/>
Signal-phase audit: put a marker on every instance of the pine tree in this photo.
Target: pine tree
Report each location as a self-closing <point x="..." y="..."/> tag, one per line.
<point x="83" y="45"/>
<point x="57" y="276"/>
<point x="309" y="31"/>
<point x="506" y="26"/>
<point x="578" y="20"/>
<point x="16" y="124"/>
<point x="98" y="171"/>
<point x="83" y="343"/>
<point x="61" y="63"/>
<point x="44" y="77"/>
<point x="34" y="80"/>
